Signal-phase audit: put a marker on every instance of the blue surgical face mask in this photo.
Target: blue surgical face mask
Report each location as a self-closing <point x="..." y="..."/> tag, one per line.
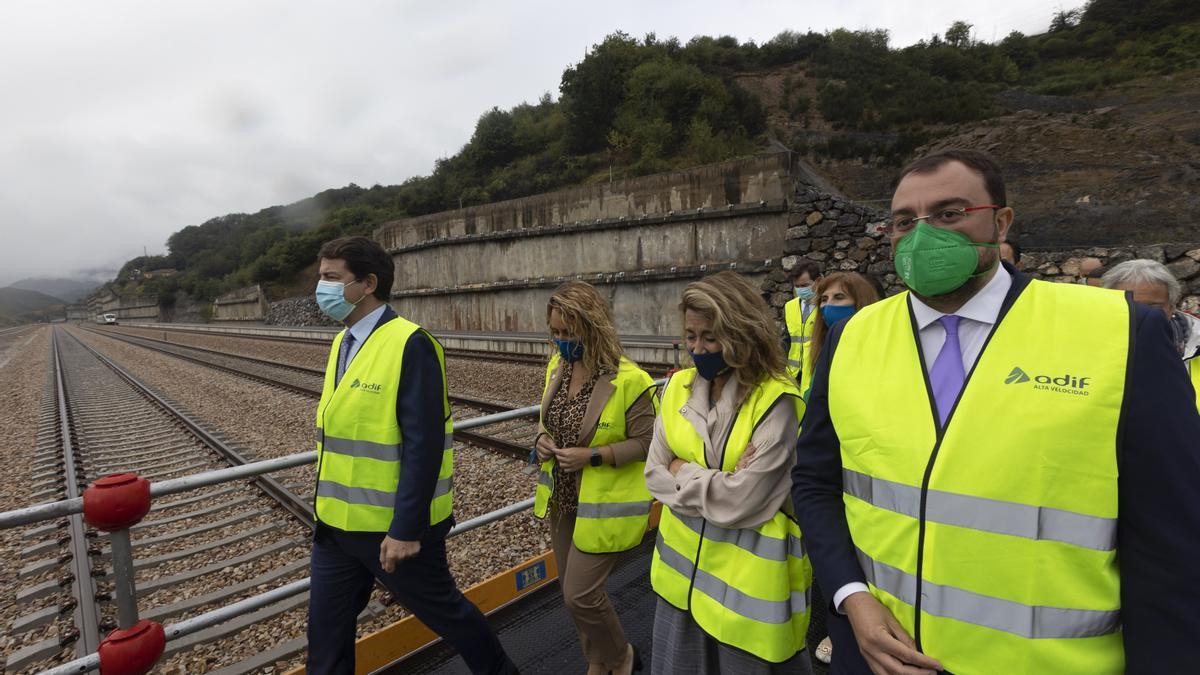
<point x="570" y="350"/>
<point x="332" y="300"/>
<point x="805" y="293"/>
<point x="835" y="313"/>
<point x="710" y="364"/>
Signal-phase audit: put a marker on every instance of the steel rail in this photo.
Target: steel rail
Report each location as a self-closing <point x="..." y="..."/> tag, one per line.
<point x="507" y="357"/>
<point x="481" y="440"/>
<point x="133" y="340"/>
<point x="52" y="510"/>
<point x="293" y="503"/>
<point x="83" y="586"/>
<point x="208" y="350"/>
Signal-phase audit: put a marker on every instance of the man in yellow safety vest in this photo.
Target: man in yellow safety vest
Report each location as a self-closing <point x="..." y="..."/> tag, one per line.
<point x="799" y="319"/>
<point x="385" y="464"/>
<point x="979" y="451"/>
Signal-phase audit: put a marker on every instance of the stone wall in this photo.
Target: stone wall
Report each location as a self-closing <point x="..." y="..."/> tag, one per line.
<point x="297" y="312"/>
<point x="1064" y="265"/>
<point x="838" y="233"/>
<point x="845" y="236"/>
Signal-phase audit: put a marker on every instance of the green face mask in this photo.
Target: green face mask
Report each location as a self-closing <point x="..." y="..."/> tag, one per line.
<point x="933" y="261"/>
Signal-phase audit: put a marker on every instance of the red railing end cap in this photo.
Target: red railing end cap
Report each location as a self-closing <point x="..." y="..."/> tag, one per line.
<point x="133" y="650"/>
<point x="116" y="502"/>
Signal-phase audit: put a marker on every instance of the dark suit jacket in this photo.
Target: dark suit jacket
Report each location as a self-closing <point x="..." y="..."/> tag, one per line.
<point x="1158" y="530"/>
<point x="420" y="412"/>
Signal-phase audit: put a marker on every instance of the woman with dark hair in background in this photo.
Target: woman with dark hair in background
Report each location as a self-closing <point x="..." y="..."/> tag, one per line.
<point x="839" y="296"/>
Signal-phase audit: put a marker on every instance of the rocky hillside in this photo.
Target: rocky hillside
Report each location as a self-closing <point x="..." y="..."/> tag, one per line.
<point x="1121" y="166"/>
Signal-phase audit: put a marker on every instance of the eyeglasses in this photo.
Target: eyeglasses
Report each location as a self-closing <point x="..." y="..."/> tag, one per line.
<point x="944" y="218"/>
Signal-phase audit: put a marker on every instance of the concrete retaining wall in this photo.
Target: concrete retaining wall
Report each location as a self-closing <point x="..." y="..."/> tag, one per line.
<point x="243" y="304"/>
<point x="640" y="241"/>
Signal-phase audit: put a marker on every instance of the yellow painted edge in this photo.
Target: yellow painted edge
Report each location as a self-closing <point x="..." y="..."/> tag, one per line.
<point x="389" y="644"/>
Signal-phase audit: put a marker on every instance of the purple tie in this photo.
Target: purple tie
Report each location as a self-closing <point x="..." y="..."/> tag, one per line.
<point x="947" y="374"/>
<point x="343" y="356"/>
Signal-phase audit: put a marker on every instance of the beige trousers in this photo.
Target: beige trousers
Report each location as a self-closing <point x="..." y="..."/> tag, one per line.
<point x="582" y="577"/>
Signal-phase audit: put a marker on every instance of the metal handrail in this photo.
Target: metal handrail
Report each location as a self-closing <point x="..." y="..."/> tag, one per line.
<point x="222" y="614"/>
<point x="54" y="510"/>
<point x="66" y="507"/>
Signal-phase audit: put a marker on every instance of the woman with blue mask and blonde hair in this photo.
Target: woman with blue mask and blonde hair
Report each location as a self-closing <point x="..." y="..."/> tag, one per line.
<point x="729" y="566"/>
<point x="596" y="422"/>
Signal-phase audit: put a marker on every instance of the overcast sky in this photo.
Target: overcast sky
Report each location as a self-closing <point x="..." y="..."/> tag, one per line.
<point x="123" y="122"/>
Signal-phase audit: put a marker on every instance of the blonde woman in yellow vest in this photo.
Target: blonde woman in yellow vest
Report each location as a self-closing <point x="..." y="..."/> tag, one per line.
<point x="729" y="565"/>
<point x="998" y="474"/>
<point x="385" y="460"/>
<point x="596" y="421"/>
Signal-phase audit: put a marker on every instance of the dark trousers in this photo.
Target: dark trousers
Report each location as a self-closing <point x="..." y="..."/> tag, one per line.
<point x="344" y="568"/>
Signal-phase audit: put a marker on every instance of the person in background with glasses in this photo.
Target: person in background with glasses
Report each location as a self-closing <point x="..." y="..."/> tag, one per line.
<point x="980" y="450"/>
<point x="1151" y="283"/>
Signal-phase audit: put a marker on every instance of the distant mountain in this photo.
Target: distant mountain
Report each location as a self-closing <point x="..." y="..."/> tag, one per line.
<point x="15" y="302"/>
<point x="69" y="290"/>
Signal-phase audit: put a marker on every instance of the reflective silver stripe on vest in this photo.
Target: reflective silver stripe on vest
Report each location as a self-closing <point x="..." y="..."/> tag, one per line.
<point x="370" y="450"/>
<point x="1029" y="621"/>
<point x="384" y="452"/>
<point x="353" y="495"/>
<point x="545" y="478"/>
<point x="613" y="509"/>
<point x="444" y="486"/>
<point x="984" y="514"/>
<point x="800" y="339"/>
<point x="755" y="609"/>
<point x="793" y="363"/>
<point x="768" y="548"/>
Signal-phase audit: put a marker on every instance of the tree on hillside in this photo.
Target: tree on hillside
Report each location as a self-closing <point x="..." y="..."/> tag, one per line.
<point x="594" y="88"/>
<point x="958" y="35"/>
<point x="1064" y="19"/>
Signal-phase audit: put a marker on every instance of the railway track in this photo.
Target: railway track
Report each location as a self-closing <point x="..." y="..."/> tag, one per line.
<point x="193" y="551"/>
<point x="655" y="369"/>
<point x="510" y="437"/>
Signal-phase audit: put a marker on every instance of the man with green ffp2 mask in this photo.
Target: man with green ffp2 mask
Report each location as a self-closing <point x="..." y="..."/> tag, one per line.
<point x="978" y="452"/>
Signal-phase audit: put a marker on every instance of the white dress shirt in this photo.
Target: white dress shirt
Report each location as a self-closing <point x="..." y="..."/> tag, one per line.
<point x="978" y="316"/>
<point x="361" y="330"/>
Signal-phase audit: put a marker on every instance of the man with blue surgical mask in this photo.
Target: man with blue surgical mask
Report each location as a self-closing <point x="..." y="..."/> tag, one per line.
<point x="799" y="318"/>
<point x="384" y="492"/>
<point x="980" y="451"/>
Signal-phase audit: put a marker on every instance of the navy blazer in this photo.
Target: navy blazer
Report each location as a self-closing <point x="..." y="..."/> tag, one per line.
<point x="422" y="417"/>
<point x="1158" y="529"/>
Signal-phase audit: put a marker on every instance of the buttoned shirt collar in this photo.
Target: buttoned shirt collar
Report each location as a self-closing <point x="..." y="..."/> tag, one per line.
<point x="361" y="330"/>
<point x="983" y="307"/>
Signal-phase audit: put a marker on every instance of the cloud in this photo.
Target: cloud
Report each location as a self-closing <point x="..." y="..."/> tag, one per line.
<point x="125" y="121"/>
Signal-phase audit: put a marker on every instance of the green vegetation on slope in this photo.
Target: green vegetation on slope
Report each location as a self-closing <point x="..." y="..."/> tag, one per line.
<point x="633" y="107"/>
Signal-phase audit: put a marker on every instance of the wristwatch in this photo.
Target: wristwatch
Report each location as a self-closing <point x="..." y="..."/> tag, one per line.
<point x="597" y="460"/>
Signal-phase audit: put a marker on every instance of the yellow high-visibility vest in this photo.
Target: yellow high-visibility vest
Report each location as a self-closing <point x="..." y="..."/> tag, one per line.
<point x="748" y="588"/>
<point x="993" y="541"/>
<point x="359" y="439"/>
<point x="800" y="331"/>
<point x="614" y="504"/>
